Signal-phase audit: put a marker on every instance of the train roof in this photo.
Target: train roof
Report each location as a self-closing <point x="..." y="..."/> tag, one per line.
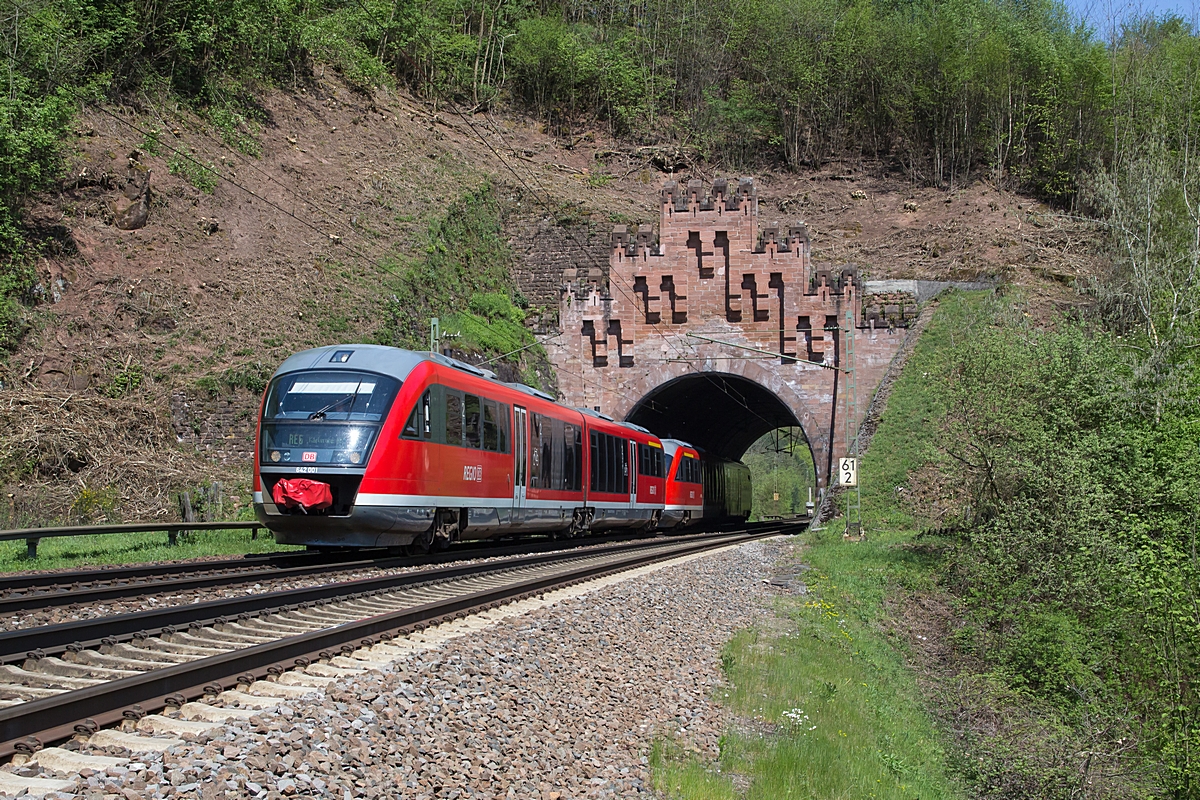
<point x="599" y="415"/>
<point x="529" y="390"/>
<point x="593" y="413"/>
<point x="671" y="445"/>
<point x="391" y="361"/>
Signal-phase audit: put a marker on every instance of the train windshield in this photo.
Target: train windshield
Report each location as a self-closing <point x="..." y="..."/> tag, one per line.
<point x="324" y="417"/>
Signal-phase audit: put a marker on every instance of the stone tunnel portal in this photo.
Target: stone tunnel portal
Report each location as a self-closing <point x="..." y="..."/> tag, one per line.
<point x="718" y="412"/>
<point x="726" y="330"/>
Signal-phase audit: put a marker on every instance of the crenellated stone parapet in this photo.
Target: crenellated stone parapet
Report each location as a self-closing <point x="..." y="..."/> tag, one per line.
<point x="713" y="289"/>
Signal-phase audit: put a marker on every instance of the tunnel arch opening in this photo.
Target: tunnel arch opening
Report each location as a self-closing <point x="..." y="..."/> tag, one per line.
<point x="719" y="412"/>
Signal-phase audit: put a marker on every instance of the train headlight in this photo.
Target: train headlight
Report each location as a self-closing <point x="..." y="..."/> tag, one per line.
<point x="274" y="455"/>
<point x="355" y="457"/>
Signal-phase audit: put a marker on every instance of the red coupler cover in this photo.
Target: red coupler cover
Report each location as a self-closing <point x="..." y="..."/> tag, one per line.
<point x="309" y="495"/>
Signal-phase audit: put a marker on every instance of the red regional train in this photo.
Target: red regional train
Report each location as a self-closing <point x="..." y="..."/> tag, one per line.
<point x="685" y="487"/>
<point x="368" y="446"/>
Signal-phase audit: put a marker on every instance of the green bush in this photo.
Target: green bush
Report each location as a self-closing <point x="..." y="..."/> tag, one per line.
<point x="1050" y="655"/>
<point x="126" y="379"/>
<point x="496" y="307"/>
<point x="32" y="130"/>
<point x="17" y="281"/>
<point x="1017" y="91"/>
<point x="253" y="377"/>
<point x="203" y="177"/>
<point x="1076" y="560"/>
<point x="492" y="325"/>
<point x="553" y="67"/>
<point x="466" y="255"/>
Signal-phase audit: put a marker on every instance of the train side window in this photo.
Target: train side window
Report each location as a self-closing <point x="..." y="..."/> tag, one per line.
<point x="619" y="466"/>
<point x="622" y="447"/>
<point x="577" y="446"/>
<point x="562" y="454"/>
<point x="472" y="419"/>
<point x="535" y="450"/>
<point x="547" y="452"/>
<point x="653" y="463"/>
<point x="454" y="418"/>
<point x="648" y="461"/>
<point x="491" y="427"/>
<point x="503" y="420"/>
<point x="418" y="425"/>
<point x="688" y="470"/>
<point x="610" y="462"/>
<point x="606" y="463"/>
<point x="566" y="445"/>
<point x="594" y="460"/>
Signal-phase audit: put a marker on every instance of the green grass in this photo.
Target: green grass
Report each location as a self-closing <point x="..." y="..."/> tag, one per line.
<point x="677" y="773"/>
<point x="827" y="707"/>
<point x="133" y="548"/>
<point x="824" y="704"/>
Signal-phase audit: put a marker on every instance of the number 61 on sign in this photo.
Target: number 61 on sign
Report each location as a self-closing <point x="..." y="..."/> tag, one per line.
<point x="848" y="471"/>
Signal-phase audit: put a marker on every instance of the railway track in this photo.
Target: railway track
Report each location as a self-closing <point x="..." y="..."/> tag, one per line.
<point x="34" y="591"/>
<point x="78" y="677"/>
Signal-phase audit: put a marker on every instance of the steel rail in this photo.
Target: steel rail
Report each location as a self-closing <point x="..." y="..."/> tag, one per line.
<point x="247" y="572"/>
<point x="44" y="581"/>
<point x="26" y="591"/>
<point x="26" y="727"/>
<point x="56" y="639"/>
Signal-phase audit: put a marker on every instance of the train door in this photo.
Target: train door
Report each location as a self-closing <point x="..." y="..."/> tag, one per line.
<point x="520" y="463"/>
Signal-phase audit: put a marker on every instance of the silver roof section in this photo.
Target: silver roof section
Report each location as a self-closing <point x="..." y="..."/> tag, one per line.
<point x="670" y="446"/>
<point x="371" y="357"/>
<point x="447" y="361"/>
<point x="593" y="413"/>
<point x="521" y="387"/>
<point x="390" y="361"/>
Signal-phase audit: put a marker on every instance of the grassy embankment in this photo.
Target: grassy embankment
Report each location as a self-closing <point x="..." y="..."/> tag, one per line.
<point x="1062" y="601"/>
<point x="825" y="706"/>
<point x="133" y="548"/>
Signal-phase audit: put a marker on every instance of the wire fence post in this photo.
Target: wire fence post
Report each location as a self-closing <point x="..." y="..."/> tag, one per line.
<point x="186" y="512"/>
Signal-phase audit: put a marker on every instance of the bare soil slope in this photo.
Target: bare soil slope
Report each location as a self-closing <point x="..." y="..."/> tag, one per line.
<point x="135" y="379"/>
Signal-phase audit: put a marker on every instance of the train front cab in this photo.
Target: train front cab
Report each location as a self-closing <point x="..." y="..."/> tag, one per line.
<point x="685" y="488"/>
<point x="327" y="417"/>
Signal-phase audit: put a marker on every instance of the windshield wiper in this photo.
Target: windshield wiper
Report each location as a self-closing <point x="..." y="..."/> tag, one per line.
<point x="320" y="413"/>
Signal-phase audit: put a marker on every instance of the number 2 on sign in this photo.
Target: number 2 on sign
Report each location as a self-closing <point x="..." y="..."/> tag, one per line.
<point x="848" y="472"/>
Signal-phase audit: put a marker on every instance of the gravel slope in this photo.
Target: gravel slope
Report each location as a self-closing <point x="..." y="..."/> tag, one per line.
<point x="561" y="702"/>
